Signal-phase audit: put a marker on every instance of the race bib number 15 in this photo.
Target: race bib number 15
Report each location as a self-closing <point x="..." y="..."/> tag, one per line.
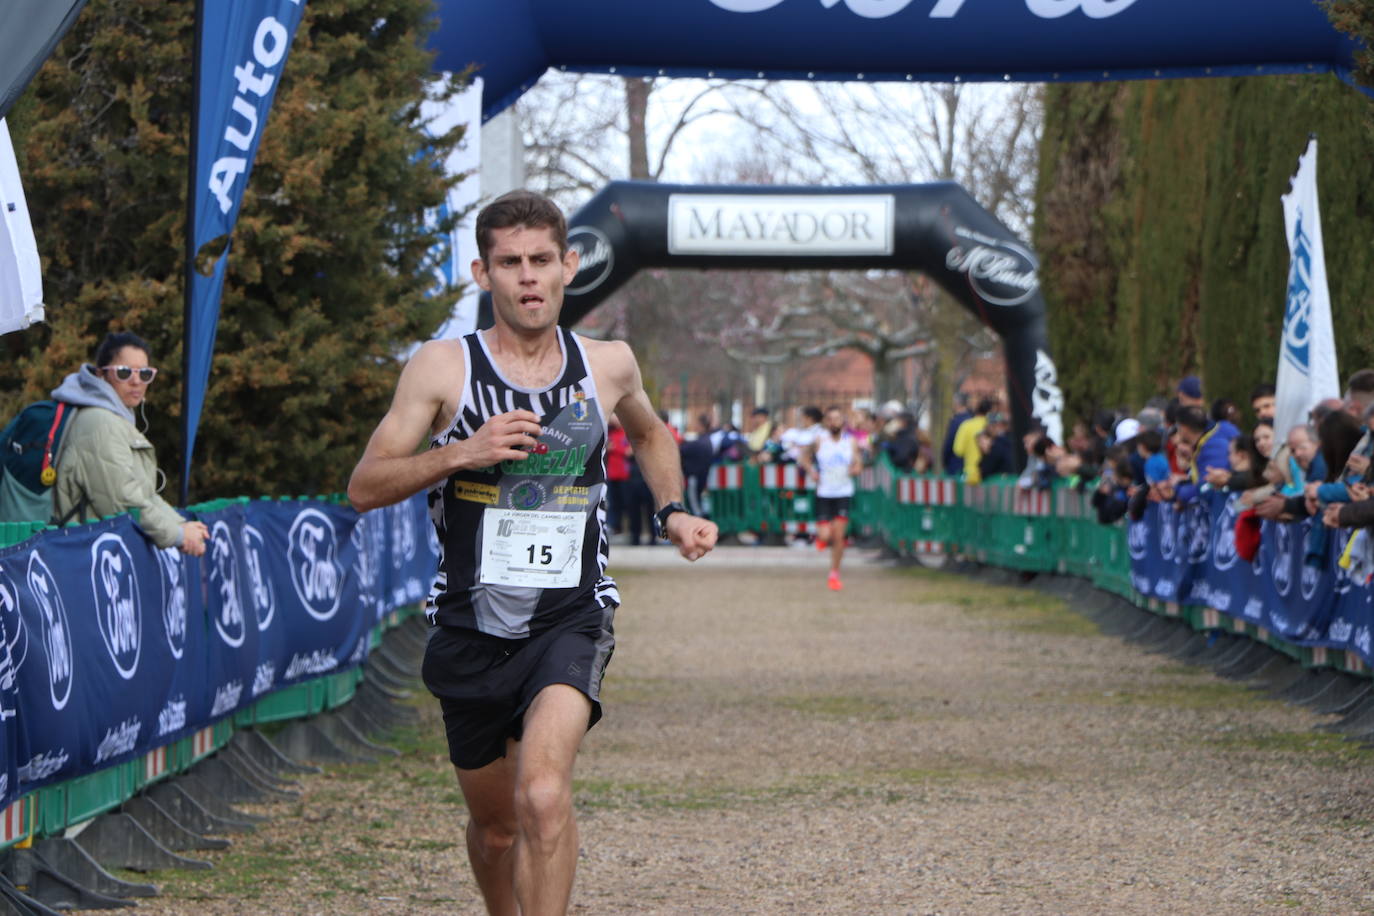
<point x="532" y="549"/>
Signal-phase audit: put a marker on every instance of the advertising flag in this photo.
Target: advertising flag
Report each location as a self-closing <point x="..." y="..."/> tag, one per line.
<point x="1307" y="353"/>
<point x="241" y="48"/>
<point x="21" y="278"/>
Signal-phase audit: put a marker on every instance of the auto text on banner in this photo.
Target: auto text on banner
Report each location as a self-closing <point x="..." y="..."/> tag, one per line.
<point x="241" y="52"/>
<point x="1307" y="352"/>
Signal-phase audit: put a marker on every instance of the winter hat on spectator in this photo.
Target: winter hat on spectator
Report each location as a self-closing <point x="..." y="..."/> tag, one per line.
<point x="890" y="410"/>
<point x="1150" y="418"/>
<point x="1190" y="386"/>
<point x="1248" y="535"/>
<point x="1127" y="429"/>
<point x="1156" y="468"/>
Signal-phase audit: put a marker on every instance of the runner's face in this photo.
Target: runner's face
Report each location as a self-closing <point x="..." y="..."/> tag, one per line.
<point x="834" y="421"/>
<point x="525" y="275"/>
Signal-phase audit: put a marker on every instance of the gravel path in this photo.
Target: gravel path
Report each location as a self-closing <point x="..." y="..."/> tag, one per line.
<point x="918" y="743"/>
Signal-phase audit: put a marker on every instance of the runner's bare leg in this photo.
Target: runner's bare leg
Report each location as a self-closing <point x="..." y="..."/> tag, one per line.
<point x="837" y="528"/>
<point x="490" y="796"/>
<point x="546" y="833"/>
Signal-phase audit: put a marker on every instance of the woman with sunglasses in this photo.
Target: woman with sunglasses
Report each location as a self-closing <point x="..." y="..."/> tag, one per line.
<point x="105" y="465"/>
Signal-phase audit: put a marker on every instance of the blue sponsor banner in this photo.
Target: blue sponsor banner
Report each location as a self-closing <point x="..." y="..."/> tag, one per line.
<point x="927" y="40"/>
<point x="1189" y="555"/>
<point x="110" y="647"/>
<point x="241" y="52"/>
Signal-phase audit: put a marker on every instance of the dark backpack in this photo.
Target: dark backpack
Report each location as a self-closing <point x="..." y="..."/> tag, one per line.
<point x="29" y="447"/>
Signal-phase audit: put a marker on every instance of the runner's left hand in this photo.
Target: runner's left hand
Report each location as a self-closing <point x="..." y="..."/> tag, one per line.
<point x="694" y="537"/>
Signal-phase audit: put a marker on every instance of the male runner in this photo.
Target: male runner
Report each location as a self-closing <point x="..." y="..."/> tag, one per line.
<point x="834" y="459"/>
<point x="521" y="607"/>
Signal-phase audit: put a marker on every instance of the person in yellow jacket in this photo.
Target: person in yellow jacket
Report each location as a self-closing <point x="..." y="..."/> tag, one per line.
<point x="966" y="440"/>
<point x="105" y="465"/>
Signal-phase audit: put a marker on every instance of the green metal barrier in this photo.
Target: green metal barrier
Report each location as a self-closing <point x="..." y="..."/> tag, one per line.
<point x="12" y="533"/>
<point x="999" y="524"/>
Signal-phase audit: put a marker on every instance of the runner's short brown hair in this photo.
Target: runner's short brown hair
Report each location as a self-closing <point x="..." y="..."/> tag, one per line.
<point x="521" y="208"/>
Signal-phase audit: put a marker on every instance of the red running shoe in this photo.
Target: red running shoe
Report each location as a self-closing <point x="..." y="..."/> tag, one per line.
<point x="821" y="545"/>
<point x="834" y="582"/>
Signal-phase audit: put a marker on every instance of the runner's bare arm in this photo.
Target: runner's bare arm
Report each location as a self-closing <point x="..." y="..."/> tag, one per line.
<point x="391" y="469"/>
<point x="654" y="447"/>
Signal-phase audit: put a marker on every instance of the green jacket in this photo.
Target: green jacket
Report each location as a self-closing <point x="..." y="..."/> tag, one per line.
<point x="107" y="459"/>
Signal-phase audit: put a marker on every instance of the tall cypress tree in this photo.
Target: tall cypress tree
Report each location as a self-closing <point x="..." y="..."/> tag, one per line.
<point x="1161" y="230"/>
<point x="329" y="277"/>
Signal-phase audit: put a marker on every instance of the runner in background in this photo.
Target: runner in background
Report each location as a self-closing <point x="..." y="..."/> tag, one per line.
<point x="833" y="460"/>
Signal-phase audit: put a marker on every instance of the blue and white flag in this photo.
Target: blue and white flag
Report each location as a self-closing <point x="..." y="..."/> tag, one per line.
<point x="1307" y="354"/>
<point x="241" y="48"/>
<point x="21" y="276"/>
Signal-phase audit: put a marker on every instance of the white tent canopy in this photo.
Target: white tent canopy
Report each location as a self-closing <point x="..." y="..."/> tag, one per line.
<point x="21" y="280"/>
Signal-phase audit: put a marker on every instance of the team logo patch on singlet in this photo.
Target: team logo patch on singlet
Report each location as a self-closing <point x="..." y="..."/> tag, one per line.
<point x="527" y="494"/>
<point x="579" y="406"/>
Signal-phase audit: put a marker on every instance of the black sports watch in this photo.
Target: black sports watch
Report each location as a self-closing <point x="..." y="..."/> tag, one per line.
<point x="661" y="519"/>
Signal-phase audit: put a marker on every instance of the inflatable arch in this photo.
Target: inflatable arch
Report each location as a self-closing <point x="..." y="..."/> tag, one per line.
<point x="938" y="229"/>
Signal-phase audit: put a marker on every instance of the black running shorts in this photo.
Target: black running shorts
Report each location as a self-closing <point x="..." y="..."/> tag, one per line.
<point x="828" y="507"/>
<point x="485" y="683"/>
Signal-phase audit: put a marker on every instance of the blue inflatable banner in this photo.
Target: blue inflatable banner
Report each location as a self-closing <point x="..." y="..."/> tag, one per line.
<point x="241" y="49"/>
<point x="1294" y="588"/>
<point x="927" y="40"/>
<point x="112" y="647"/>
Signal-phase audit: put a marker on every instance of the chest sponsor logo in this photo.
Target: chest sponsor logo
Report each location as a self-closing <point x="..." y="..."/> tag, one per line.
<point x="114" y="584"/>
<point x="315" y="570"/>
<point x="579" y="406"/>
<point x="485" y="493"/>
<point x="568" y="462"/>
<point x="527" y="494"/>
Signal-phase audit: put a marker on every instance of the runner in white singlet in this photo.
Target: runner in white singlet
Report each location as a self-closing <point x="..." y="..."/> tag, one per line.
<point x="833" y="461"/>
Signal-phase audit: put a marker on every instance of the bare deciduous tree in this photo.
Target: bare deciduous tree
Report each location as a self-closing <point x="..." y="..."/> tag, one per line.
<point x="582" y="132"/>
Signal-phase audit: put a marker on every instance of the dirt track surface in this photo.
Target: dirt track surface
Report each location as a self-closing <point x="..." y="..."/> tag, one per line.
<point x="918" y="743"/>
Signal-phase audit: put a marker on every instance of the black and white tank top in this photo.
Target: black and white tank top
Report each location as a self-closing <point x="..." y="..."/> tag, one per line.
<point x="523" y="544"/>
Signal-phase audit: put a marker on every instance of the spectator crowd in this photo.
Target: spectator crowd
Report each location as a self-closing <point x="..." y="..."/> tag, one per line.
<point x="1173" y="449"/>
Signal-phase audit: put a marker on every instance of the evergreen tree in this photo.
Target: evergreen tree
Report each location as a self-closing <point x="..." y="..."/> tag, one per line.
<point x="1356" y="17"/>
<point x="329" y="277"/>
<point x="1161" y="230"/>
